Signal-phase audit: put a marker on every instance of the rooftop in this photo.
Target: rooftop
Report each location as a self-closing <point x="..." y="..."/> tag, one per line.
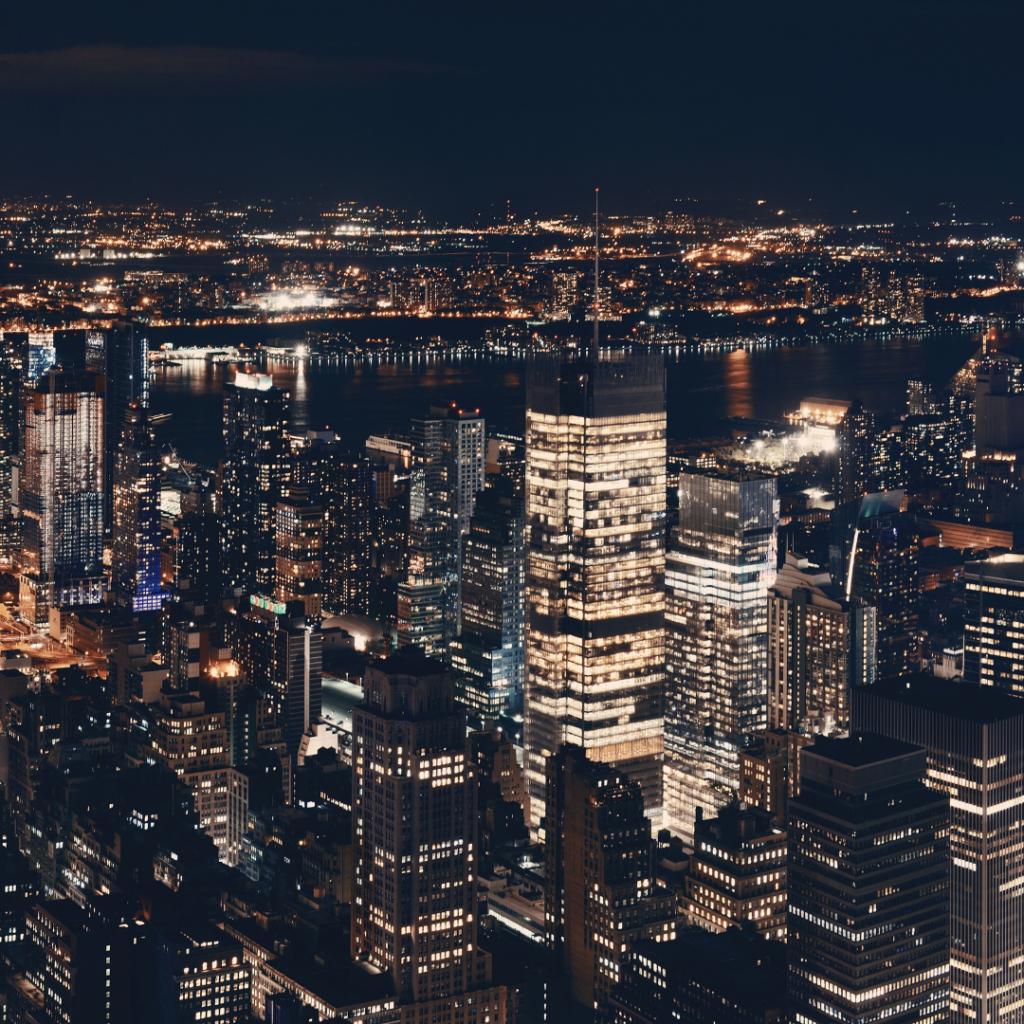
<point x="980" y="704"/>
<point x="860" y="748"/>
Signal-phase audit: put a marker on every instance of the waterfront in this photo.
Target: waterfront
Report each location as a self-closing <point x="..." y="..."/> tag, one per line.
<point x="705" y="387"/>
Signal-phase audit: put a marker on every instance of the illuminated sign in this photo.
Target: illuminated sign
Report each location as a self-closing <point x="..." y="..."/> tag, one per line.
<point x="267" y="604"/>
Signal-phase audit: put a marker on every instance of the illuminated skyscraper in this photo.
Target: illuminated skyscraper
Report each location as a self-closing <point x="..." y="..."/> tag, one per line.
<point x="61" y="495"/>
<point x="489" y="650"/>
<point x="595" y="524"/>
<point x="819" y="646"/>
<point x="600" y="893"/>
<point x="993" y="621"/>
<point x="446" y="475"/>
<point x="718" y="571"/>
<point x="415" y="848"/>
<point x="974" y="736"/>
<point x="855" y="437"/>
<point x="256" y="473"/>
<point x="869" y="893"/>
<point x="299" y="535"/>
<point x="135" y="579"/>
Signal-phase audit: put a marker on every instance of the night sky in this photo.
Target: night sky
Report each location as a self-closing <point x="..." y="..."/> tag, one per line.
<point x="454" y="107"/>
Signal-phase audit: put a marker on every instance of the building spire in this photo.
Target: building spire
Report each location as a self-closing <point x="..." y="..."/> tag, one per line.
<point x="597" y="274"/>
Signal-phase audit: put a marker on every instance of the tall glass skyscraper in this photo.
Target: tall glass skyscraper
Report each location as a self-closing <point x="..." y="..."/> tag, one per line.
<point x="61" y="495"/>
<point x="595" y="524"/>
<point x="721" y="563"/>
<point x="135" y="579"/>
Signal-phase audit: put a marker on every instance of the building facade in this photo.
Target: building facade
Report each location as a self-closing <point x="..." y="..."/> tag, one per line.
<point x="868" y="885"/>
<point x="974" y="738"/>
<point x="595" y="523"/>
<point x="994" y="623"/>
<point x="719" y="569"/>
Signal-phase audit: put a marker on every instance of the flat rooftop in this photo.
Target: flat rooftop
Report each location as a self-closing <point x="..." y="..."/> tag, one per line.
<point x="981" y="704"/>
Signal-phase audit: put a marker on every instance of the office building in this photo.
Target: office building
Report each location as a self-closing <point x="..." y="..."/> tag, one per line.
<point x="994" y="622"/>
<point x="854" y="440"/>
<point x="974" y="737"/>
<point x="84" y="961"/>
<point x="280" y="651"/>
<point x="341" y="483"/>
<point x="197" y="566"/>
<point x="446" y="474"/>
<point x="600" y="892"/>
<point x="737" y="873"/>
<point x="727" y="978"/>
<point x="595" y="521"/>
<point x="135" y="576"/>
<point x="869" y="896"/>
<point x="256" y="475"/>
<point x="488" y="653"/>
<point x="885" y="576"/>
<point x="61" y="495"/>
<point x="719" y="569"/>
<point x="998" y="407"/>
<point x="819" y="646"/>
<point x="416" y="853"/>
<point x="201" y="974"/>
<point x="299" y="536"/>
<point x="11" y="414"/>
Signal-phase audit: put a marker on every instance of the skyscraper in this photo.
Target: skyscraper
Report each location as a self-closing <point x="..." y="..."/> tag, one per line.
<point x="61" y="495"/>
<point x="447" y="473"/>
<point x="256" y="473"/>
<point x="719" y="568"/>
<point x="993" y="621"/>
<point x="488" y="653"/>
<point x="819" y="646"/>
<point x="299" y="536"/>
<point x="135" y="579"/>
<point x="974" y="737"/>
<point x="854" y="437"/>
<point x="414" y="834"/>
<point x="600" y="893"/>
<point x="868" y="886"/>
<point x="595" y="522"/>
<point x="280" y="652"/>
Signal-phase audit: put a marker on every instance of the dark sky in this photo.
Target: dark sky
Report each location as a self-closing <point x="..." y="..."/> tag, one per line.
<point x="453" y="107"/>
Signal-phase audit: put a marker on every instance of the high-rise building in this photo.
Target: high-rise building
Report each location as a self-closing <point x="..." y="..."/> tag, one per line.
<point x="994" y="622"/>
<point x="135" y="579"/>
<point x="60" y="495"/>
<point x="595" y="535"/>
<point x="488" y="653"/>
<point x="280" y="652"/>
<point x="854" y="437"/>
<point x="447" y="473"/>
<point x="974" y="737"/>
<point x="84" y="961"/>
<point x="869" y="894"/>
<point x="819" y="646"/>
<point x="299" y="536"/>
<point x="11" y="414"/>
<point x="719" y="568"/>
<point x="885" y="571"/>
<point x="600" y="892"/>
<point x="256" y="474"/>
<point x="414" y="834"/>
<point x="341" y="483"/>
<point x="737" y="873"/>
<point x="729" y="978"/>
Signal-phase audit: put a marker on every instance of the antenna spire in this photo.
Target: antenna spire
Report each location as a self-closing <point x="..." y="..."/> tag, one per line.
<point x="597" y="272"/>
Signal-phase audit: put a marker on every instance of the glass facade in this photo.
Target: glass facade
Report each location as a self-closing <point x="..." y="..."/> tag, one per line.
<point x="718" y="571"/>
<point x="595" y="508"/>
<point x="974" y="737"/>
<point x="61" y="495"/>
<point x="136" y="507"/>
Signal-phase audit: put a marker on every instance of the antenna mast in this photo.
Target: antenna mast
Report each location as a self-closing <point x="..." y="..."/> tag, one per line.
<point x="597" y="272"/>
